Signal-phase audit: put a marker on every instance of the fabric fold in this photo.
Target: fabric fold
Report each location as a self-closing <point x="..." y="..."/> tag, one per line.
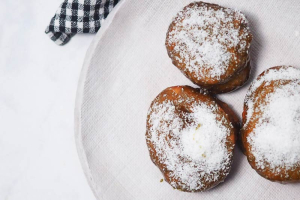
<point x="78" y="16"/>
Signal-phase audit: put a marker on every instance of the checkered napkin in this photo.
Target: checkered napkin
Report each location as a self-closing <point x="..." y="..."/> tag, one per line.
<point x="78" y="16"/>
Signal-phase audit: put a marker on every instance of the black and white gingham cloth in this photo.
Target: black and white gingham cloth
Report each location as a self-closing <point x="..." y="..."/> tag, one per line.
<point x="78" y="16"/>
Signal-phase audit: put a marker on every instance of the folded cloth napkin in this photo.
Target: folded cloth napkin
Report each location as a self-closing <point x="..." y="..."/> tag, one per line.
<point x="78" y="16"/>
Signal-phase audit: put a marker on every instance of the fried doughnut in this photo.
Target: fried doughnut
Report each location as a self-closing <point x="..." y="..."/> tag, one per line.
<point x="191" y="136"/>
<point x="209" y="44"/>
<point x="270" y="135"/>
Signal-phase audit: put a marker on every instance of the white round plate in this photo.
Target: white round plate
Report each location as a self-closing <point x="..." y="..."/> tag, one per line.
<point x="127" y="66"/>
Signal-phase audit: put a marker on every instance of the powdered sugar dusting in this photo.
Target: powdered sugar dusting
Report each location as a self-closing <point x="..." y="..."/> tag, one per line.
<point x="196" y="151"/>
<point x="275" y="140"/>
<point x="283" y="73"/>
<point x="203" y="36"/>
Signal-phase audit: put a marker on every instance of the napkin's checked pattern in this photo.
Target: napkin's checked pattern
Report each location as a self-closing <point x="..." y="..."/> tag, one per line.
<point x="78" y="16"/>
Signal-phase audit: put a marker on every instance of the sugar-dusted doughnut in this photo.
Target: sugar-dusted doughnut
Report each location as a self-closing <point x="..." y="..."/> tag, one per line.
<point x="270" y="134"/>
<point x="191" y="136"/>
<point x="209" y="43"/>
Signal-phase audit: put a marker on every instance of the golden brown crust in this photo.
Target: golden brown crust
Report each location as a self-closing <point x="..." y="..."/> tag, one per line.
<point x="189" y="96"/>
<point x="260" y="93"/>
<point x="232" y="116"/>
<point x="233" y="84"/>
<point x="237" y="62"/>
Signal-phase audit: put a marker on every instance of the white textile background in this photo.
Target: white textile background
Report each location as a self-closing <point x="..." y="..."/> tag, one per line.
<point x="127" y="66"/>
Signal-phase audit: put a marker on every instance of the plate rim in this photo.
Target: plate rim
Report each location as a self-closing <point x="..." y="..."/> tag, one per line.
<point x="79" y="96"/>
